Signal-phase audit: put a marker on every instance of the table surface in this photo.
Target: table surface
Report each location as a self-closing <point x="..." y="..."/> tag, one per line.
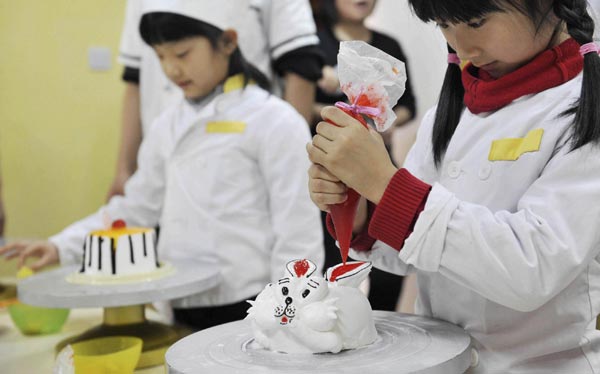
<point x="20" y="354"/>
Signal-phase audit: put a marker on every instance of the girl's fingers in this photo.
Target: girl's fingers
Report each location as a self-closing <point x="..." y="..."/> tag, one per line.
<point x="338" y="116"/>
<point x="28" y="251"/>
<point x="324" y="186"/>
<point x="316" y="171"/>
<point x="327" y="130"/>
<point x="12" y="250"/>
<point x="315" y="155"/>
<point x="322" y="143"/>
<point x="326" y="199"/>
<point x="42" y="262"/>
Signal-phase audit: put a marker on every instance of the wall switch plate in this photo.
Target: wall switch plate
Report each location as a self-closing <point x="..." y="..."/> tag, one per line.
<point x="99" y="58"/>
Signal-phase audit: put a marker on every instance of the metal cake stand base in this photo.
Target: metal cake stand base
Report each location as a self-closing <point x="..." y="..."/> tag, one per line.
<point x="123" y="304"/>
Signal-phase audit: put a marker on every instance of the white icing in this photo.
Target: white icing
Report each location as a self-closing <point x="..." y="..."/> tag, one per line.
<point x="330" y="317"/>
<point x="96" y="253"/>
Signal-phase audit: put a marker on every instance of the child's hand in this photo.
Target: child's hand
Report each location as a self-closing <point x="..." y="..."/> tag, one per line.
<point x="46" y="252"/>
<point x="354" y="155"/>
<point x="325" y="189"/>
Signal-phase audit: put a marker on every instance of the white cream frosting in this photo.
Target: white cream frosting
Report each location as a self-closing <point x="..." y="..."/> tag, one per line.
<point x="119" y="252"/>
<point x="304" y="314"/>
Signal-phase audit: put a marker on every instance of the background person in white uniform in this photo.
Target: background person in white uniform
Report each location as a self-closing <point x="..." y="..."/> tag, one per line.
<point x="279" y="38"/>
<point x="497" y="209"/>
<point x="233" y="195"/>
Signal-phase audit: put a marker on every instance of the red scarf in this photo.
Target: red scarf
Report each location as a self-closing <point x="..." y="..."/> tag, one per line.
<point x="550" y="68"/>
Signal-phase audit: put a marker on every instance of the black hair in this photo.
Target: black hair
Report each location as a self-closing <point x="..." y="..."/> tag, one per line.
<point x="163" y="27"/>
<point x="580" y="26"/>
<point x="328" y="13"/>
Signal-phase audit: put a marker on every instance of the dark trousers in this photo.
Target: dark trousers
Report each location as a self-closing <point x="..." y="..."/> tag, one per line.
<point x="385" y="287"/>
<point x="205" y="317"/>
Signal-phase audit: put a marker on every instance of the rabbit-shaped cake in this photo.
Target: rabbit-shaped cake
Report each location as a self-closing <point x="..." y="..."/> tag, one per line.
<point x="304" y="314"/>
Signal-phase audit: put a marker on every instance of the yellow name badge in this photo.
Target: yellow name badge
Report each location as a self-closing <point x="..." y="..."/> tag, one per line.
<point x="512" y="148"/>
<point x="226" y="127"/>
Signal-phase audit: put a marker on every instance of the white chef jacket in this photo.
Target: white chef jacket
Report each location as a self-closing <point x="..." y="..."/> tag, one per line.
<point x="231" y="188"/>
<point x="273" y="28"/>
<point x="510" y="249"/>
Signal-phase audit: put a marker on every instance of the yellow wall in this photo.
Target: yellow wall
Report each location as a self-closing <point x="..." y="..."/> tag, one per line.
<point x="59" y="120"/>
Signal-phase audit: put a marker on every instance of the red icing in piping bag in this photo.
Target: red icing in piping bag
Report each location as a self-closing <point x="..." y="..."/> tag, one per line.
<point x="343" y="214"/>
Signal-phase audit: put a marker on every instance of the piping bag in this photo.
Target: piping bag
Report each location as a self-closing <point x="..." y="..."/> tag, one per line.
<point x="373" y="81"/>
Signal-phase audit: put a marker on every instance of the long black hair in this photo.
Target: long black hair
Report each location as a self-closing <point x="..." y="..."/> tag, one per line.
<point x="580" y="26"/>
<point x="162" y="27"/>
<point x="327" y="13"/>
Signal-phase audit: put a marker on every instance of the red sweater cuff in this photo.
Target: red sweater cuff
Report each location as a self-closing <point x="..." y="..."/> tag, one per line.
<point x="362" y="241"/>
<point x="402" y="202"/>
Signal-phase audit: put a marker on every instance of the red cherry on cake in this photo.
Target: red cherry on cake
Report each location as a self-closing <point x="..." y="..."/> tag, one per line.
<point x="119" y="224"/>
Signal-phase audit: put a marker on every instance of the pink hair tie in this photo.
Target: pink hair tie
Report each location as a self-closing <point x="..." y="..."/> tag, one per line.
<point x="359" y="109"/>
<point x="453" y="59"/>
<point x="589" y="48"/>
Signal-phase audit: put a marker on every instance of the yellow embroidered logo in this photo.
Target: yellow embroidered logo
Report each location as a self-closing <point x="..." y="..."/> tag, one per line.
<point x="511" y="149"/>
<point x="225" y="127"/>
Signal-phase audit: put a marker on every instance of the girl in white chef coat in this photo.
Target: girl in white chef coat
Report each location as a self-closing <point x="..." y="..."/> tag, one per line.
<point x="222" y="171"/>
<point x="497" y="209"/>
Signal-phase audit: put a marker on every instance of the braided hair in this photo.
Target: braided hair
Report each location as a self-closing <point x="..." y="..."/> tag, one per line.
<point x="587" y="108"/>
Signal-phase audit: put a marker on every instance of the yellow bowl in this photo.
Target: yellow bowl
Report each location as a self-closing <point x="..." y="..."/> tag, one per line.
<point x="113" y="354"/>
<point x="33" y="320"/>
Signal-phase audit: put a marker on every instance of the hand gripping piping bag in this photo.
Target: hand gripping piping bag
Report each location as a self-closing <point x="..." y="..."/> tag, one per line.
<point x="373" y="81"/>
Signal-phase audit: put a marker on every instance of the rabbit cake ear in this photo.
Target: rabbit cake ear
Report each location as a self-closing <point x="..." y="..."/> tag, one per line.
<point x="301" y="268"/>
<point x="349" y="275"/>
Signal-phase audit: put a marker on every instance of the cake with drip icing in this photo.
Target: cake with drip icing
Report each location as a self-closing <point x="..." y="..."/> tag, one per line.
<point x="301" y="313"/>
<point x="120" y="251"/>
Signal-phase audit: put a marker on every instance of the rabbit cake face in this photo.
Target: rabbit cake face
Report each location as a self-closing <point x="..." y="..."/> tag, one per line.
<point x="293" y="293"/>
<point x="304" y="314"/>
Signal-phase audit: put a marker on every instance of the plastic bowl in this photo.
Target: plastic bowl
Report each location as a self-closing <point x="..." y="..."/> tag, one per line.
<point x="33" y="320"/>
<point x="113" y="354"/>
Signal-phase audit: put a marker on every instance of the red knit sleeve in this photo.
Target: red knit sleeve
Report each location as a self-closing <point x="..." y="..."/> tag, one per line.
<point x="402" y="202"/>
<point x="393" y="220"/>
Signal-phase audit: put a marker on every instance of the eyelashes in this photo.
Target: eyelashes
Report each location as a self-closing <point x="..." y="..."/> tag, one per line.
<point x="475" y="24"/>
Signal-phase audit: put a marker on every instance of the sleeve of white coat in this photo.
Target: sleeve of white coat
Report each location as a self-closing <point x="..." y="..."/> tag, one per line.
<point x="130" y="48"/>
<point x="295" y="219"/>
<point x="140" y="206"/>
<point x="289" y="25"/>
<point x="523" y="259"/>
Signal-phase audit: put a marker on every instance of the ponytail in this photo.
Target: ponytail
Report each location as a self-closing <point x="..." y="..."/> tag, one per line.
<point x="586" y="124"/>
<point x="449" y="110"/>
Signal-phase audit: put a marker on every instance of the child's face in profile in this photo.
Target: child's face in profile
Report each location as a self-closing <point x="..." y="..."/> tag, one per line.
<point x="193" y="65"/>
<point x="500" y="42"/>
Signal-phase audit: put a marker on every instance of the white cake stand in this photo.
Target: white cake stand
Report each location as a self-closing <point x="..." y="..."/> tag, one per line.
<point x="405" y="344"/>
<point x="123" y="303"/>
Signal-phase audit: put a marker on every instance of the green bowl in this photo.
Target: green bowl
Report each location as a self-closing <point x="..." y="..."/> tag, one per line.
<point x="33" y="320"/>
